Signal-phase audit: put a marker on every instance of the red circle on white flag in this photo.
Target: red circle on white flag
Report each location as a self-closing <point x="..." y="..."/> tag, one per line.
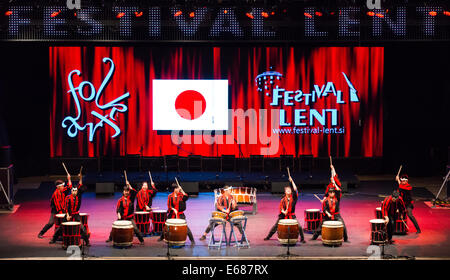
<point x="190" y="104"/>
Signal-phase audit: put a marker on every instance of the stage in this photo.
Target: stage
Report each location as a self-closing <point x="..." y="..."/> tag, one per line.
<point x="18" y="231"/>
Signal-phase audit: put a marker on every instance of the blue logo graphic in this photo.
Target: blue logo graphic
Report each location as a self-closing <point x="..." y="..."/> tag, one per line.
<point x="93" y="96"/>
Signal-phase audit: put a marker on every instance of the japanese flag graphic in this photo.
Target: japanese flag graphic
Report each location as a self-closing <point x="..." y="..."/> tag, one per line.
<point x="190" y="104"/>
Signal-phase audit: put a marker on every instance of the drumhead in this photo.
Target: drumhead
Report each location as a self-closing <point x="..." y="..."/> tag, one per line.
<point x="175" y="222"/>
<point x="159" y="211"/>
<point x="84" y="214"/>
<point x="71" y="223"/>
<point x="237" y="212"/>
<point x="60" y="215"/>
<point x="332" y="224"/>
<point x="288" y="222"/>
<point x="377" y="221"/>
<point x="141" y="212"/>
<point x="122" y="224"/>
<point x="218" y="214"/>
<point x="312" y="210"/>
<point x="378" y="208"/>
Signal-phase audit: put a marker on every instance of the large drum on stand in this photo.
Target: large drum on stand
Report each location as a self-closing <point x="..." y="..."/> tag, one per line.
<point x="400" y="227"/>
<point x="288" y="230"/>
<point x="142" y="219"/>
<point x="59" y="219"/>
<point x="175" y="232"/>
<point x="71" y="233"/>
<point x="378" y="213"/>
<point x="377" y="231"/>
<point x="313" y="218"/>
<point x="122" y="234"/>
<point x="159" y="218"/>
<point x="332" y="233"/>
<point x="84" y="220"/>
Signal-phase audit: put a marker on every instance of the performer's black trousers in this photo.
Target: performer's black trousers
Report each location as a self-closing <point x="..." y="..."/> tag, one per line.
<point x="49" y="225"/>
<point x="189" y="232"/>
<point x="390" y="227"/>
<point x="337" y="217"/>
<point x="409" y="209"/>
<point x="275" y="227"/>
<point x="136" y="231"/>
<point x="75" y="218"/>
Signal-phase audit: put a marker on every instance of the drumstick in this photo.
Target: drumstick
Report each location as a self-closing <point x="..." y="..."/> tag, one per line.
<point x="404" y="222"/>
<point x="318" y="198"/>
<point x="150" y="174"/>
<point x="81" y="169"/>
<point x="65" y="168"/>
<point x="400" y="169"/>
<point x="154" y="208"/>
<point x="289" y="173"/>
<point x="126" y="179"/>
<point x="178" y="184"/>
<point x="331" y="161"/>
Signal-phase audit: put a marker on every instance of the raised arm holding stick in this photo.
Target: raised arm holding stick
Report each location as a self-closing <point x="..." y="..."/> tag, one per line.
<point x="397" y="178"/>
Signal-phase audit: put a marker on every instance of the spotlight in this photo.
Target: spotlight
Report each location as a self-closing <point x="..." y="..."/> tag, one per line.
<point x="433" y="13"/>
<point x="119" y="15"/>
<point x="371" y="14"/>
<point x="8" y="13"/>
<point x="319" y="14"/>
<point x="249" y="15"/>
<point x="308" y="15"/>
<point x="138" y="14"/>
<point x="191" y="14"/>
<point x="447" y="13"/>
<point x="379" y="15"/>
<point x="265" y="14"/>
<point x="178" y="13"/>
<point x="225" y="11"/>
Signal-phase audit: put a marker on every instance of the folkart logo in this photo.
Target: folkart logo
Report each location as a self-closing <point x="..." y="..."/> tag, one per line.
<point x="114" y="107"/>
<point x="270" y="83"/>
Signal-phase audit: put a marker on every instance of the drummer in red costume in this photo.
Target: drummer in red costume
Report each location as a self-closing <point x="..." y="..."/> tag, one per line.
<point x="405" y="190"/>
<point x="392" y="208"/>
<point x="125" y="210"/>
<point x="145" y="197"/>
<point x="57" y="203"/>
<point x="176" y="205"/>
<point x="330" y="209"/>
<point x="287" y="209"/>
<point x="72" y="207"/>
<point x="226" y="204"/>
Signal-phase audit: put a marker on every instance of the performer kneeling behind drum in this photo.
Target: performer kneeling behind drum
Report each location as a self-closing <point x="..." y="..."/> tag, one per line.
<point x="392" y="207"/>
<point x="73" y="203"/>
<point x="330" y="209"/>
<point x="226" y="204"/>
<point x="125" y="210"/>
<point x="287" y="209"/>
<point x="176" y="205"/>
